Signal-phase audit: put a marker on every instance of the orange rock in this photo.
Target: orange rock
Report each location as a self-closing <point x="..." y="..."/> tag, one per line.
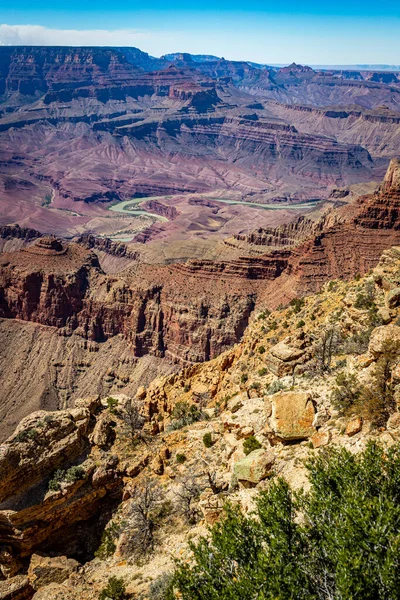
<point x="354" y="426"/>
<point x="321" y="438"/>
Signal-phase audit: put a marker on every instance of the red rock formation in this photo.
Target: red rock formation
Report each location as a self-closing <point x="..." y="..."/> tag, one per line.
<point x="345" y="248"/>
<point x="160" y="311"/>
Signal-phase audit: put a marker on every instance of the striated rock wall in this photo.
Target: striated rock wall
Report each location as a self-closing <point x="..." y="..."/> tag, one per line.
<point x="159" y="311"/>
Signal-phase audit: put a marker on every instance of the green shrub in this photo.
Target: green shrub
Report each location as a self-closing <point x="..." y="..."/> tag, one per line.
<point x="332" y="285"/>
<point x="160" y="588"/>
<point x="244" y="378"/>
<point x="186" y="388"/>
<point x="74" y="474"/>
<point x="207" y="440"/>
<point x="261" y="349"/>
<point x="112" y="404"/>
<point x="273" y="326"/>
<point x="180" y="458"/>
<point x="262" y="372"/>
<point x="256" y="385"/>
<point x="345" y="393"/>
<point x="339" y="540"/>
<point x="364" y="301"/>
<point x="184" y="414"/>
<point x="297" y="304"/>
<point x="71" y="475"/>
<point x="251" y="443"/>
<point x="300" y="323"/>
<point x="27" y="434"/>
<point x="115" y="590"/>
<point x="263" y="315"/>
<point x="357" y="343"/>
<point x="374" y="401"/>
<point x="377" y="399"/>
<point x="55" y="482"/>
<point x="108" y="544"/>
<point x="274" y="387"/>
<point x="47" y="200"/>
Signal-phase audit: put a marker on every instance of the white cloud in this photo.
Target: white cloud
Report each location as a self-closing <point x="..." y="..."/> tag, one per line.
<point x="36" y="35"/>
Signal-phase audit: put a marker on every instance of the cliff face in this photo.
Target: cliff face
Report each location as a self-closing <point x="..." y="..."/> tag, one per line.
<point x="61" y="74"/>
<point x="32" y="512"/>
<point x="347" y="244"/>
<point x="158" y="311"/>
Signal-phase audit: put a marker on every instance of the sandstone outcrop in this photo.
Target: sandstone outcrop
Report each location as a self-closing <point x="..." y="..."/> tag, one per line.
<point x="51" y="482"/>
<point x="293" y="415"/>
<point x="39" y="446"/>
<point x="392" y="178"/>
<point x="283" y="358"/>
<point x="381" y="337"/>
<point x="44" y="570"/>
<point x="255" y="467"/>
<point x="17" y="588"/>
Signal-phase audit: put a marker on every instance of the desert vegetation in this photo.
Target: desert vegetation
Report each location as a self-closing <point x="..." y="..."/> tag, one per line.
<point x="340" y="539"/>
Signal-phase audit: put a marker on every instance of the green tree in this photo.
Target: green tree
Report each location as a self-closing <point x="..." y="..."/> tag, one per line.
<point x="340" y="540"/>
<point x="115" y="590"/>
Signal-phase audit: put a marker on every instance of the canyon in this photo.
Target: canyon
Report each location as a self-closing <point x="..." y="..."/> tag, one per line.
<point x="179" y="237"/>
<point x="118" y="124"/>
<point x="182" y="313"/>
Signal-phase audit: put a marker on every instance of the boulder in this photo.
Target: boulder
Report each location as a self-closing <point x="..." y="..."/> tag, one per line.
<point x="44" y="570"/>
<point x="384" y="315"/>
<point x="230" y="443"/>
<point x="354" y="426"/>
<point x="236" y="402"/>
<point x="251" y="414"/>
<point x="286" y="353"/>
<point x="293" y="415"/>
<point x="17" y="588"/>
<point x="103" y="433"/>
<point x="92" y="403"/>
<point x="137" y="465"/>
<point x="246" y="432"/>
<point x="283" y="358"/>
<point x="141" y="393"/>
<point x="393" y="423"/>
<point x="157" y="465"/>
<point x="320" y="439"/>
<point x="393" y="298"/>
<point x="380" y="337"/>
<point x="255" y="467"/>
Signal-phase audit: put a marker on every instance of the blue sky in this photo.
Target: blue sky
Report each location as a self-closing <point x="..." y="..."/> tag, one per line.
<point x="341" y="32"/>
